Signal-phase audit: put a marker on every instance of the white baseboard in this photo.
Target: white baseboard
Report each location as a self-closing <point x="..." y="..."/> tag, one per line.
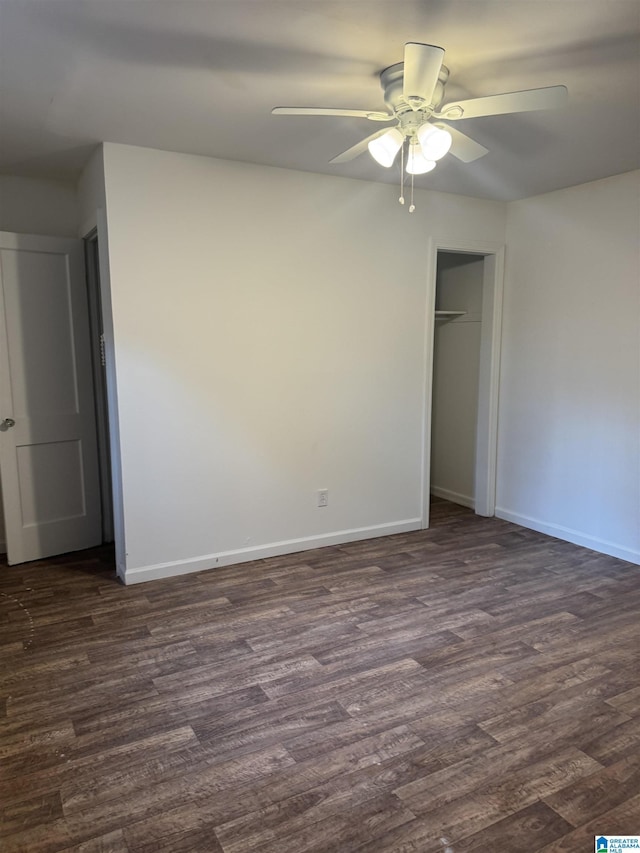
<point x="258" y="552"/>
<point x="569" y="535"/>
<point x="454" y="497"/>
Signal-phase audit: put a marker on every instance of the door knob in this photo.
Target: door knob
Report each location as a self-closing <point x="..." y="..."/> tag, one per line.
<point x="7" y="423"/>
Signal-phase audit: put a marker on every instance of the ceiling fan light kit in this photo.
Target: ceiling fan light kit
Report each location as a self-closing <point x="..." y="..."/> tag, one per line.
<point x="434" y="141"/>
<point x="417" y="163"/>
<point x="384" y="148"/>
<point x="413" y="92"/>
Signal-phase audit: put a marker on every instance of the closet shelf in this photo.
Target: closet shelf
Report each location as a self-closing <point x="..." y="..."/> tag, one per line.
<point x="449" y="315"/>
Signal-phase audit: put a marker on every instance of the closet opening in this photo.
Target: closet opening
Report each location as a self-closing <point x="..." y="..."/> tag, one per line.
<point x="462" y="365"/>
<point x="456" y="366"/>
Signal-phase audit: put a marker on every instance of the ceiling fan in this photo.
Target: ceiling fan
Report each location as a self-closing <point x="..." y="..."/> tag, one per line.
<point x="413" y="92"/>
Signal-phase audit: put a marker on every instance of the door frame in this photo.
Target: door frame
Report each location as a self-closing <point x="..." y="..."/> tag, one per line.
<point x="489" y="369"/>
<point x="96" y="335"/>
<point x="99" y="222"/>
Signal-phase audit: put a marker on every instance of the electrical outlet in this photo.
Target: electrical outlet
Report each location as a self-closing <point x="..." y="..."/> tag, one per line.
<point x="323" y="497"/>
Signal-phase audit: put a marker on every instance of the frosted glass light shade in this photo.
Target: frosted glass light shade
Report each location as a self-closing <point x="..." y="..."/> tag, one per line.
<point x="434" y="141"/>
<point x="417" y="163"/>
<point x="385" y="147"/>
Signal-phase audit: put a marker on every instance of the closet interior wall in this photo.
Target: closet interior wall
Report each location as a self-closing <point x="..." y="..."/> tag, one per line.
<point x="455" y="376"/>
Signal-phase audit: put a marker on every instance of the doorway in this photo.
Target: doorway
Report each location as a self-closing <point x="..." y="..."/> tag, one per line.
<point x="53" y="500"/>
<point x="98" y="362"/>
<point x="456" y="360"/>
<point x="48" y="458"/>
<point x="462" y="357"/>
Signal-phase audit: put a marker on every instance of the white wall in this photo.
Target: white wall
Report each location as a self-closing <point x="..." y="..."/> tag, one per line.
<point x="268" y="341"/>
<point x="269" y="332"/>
<point x="455" y="378"/>
<point x="569" y="426"/>
<point x="91" y="193"/>
<point x="36" y="206"/>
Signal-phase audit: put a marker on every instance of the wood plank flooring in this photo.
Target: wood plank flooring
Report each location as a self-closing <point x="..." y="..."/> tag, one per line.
<point x="468" y="688"/>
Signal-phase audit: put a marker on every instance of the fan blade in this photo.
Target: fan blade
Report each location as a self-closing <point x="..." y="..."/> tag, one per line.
<point x="357" y="149"/>
<point x="422" y="64"/>
<point x="549" y="98"/>
<point x="372" y="115"/>
<point x="465" y="148"/>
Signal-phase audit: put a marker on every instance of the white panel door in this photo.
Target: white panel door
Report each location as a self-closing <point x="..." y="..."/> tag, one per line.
<point x="48" y="452"/>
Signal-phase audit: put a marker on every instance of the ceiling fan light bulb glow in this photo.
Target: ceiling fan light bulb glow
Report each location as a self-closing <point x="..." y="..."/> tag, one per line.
<point x="417" y="163"/>
<point x="434" y="141"/>
<point x="385" y="147"/>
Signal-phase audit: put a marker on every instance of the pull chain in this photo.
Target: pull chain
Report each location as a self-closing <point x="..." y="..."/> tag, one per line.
<point x="412" y="206"/>
<point x="401" y="199"/>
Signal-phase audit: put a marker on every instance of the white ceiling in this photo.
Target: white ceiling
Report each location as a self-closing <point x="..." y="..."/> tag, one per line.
<point x="201" y="77"/>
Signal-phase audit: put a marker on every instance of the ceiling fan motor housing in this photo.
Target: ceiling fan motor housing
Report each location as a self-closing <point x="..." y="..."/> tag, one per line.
<point x="392" y="80"/>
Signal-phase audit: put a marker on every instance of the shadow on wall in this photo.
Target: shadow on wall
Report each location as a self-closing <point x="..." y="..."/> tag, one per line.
<point x="3" y="538"/>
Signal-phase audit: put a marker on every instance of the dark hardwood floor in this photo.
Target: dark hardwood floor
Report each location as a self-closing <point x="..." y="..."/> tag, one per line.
<point x="469" y="688"/>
